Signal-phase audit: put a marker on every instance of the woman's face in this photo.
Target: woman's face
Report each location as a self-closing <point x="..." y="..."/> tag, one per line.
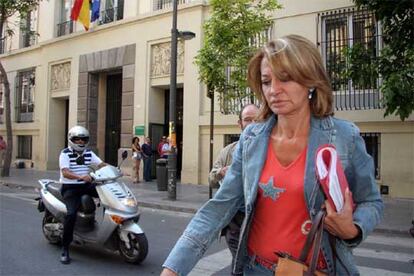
<point x="284" y="97"/>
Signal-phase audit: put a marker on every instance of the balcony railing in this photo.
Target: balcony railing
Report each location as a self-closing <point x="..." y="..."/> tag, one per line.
<point x="112" y="14"/>
<point x="165" y="4"/>
<point x="28" y="38"/>
<point x="65" y="28"/>
<point x="2" y="45"/>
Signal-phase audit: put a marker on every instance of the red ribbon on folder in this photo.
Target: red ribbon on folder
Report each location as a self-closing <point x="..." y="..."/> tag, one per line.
<point x="331" y="176"/>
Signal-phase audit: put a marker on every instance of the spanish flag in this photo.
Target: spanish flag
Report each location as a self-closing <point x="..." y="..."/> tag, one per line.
<point x="81" y="11"/>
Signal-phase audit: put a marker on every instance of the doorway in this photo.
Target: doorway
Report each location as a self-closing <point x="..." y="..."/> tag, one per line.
<point x="179" y="126"/>
<point x="156" y="131"/>
<point x="113" y="118"/>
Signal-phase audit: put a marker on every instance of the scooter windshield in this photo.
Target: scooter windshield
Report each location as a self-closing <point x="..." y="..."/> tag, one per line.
<point x="106" y="173"/>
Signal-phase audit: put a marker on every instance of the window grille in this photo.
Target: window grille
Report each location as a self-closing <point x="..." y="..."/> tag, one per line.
<point x="24" y="147"/>
<point x="1" y="100"/>
<point x="2" y="45"/>
<point x="166" y="4"/>
<point x="25" y="87"/>
<point x="240" y="98"/>
<point x="372" y="144"/>
<point x="352" y="32"/>
<point x="65" y="28"/>
<point x="112" y="10"/>
<point x="27" y="29"/>
<point x="230" y="138"/>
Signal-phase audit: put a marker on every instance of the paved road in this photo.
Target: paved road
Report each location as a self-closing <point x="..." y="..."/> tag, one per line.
<point x="24" y="251"/>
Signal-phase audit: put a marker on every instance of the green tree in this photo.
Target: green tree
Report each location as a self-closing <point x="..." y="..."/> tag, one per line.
<point x="231" y="35"/>
<point x="396" y="62"/>
<point x="8" y="8"/>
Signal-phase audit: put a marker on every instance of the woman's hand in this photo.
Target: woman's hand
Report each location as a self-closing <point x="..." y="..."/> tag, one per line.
<point x="168" y="272"/>
<point x="341" y="224"/>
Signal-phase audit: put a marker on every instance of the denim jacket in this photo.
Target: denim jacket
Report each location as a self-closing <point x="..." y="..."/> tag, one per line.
<point x="240" y="187"/>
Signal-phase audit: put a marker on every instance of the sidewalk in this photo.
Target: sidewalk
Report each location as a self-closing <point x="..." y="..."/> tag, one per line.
<point x="190" y="197"/>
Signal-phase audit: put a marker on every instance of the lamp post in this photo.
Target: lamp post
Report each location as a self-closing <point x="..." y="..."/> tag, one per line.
<point x="172" y="157"/>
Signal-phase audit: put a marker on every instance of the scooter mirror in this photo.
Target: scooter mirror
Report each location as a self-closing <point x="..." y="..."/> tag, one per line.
<point x="124" y="155"/>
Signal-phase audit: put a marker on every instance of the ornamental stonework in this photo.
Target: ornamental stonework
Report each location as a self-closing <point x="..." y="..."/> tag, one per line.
<point x="160" y="59"/>
<point x="60" y="76"/>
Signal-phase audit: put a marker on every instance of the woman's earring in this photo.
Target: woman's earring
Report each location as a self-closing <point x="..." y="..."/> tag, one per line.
<point x="310" y="92"/>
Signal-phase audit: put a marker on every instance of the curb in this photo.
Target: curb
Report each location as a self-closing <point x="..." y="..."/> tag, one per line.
<point x="141" y="203"/>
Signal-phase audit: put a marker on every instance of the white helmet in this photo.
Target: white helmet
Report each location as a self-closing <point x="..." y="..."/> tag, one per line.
<point x="78" y="132"/>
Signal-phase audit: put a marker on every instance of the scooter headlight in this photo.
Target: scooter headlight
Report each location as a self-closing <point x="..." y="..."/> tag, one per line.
<point x="130" y="202"/>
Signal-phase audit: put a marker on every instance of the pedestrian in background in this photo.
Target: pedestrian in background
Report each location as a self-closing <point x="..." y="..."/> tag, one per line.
<point x="147" y="154"/>
<point x="136" y="156"/>
<point x="3" y="147"/>
<point x="232" y="231"/>
<point x="160" y="144"/>
<point x="273" y="172"/>
<point x="166" y="148"/>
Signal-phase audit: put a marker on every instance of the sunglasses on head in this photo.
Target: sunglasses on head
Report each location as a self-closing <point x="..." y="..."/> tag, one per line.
<point x="84" y="139"/>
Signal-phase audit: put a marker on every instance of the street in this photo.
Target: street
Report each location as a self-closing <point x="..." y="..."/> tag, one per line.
<point x="24" y="251"/>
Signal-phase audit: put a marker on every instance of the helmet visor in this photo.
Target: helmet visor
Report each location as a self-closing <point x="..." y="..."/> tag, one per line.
<point x="77" y="139"/>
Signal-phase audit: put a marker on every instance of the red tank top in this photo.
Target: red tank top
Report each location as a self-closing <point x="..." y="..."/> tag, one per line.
<point x="281" y="221"/>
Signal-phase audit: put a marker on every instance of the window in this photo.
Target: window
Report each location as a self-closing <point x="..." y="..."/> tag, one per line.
<point x="3" y="41"/>
<point x="25" y="87"/>
<point x="231" y="138"/>
<point x="65" y="25"/>
<point x="239" y="98"/>
<point x="111" y="10"/>
<point x="1" y="101"/>
<point x="24" y="147"/>
<point x="27" y="29"/>
<point x="345" y="34"/>
<point x="372" y="143"/>
<point x="165" y="4"/>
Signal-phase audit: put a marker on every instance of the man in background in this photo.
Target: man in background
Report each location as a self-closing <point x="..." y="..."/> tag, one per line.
<point x="147" y="154"/>
<point x="232" y="231"/>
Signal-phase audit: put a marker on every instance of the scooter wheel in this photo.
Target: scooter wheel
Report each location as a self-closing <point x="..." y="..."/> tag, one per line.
<point x="50" y="235"/>
<point x="137" y="248"/>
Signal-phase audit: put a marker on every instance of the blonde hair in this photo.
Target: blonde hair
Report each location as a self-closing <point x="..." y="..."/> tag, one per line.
<point x="295" y="58"/>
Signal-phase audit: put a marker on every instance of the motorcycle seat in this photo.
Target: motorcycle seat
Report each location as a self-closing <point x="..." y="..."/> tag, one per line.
<point x="55" y="191"/>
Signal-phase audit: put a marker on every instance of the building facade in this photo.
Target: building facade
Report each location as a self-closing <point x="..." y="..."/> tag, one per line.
<point x="114" y="79"/>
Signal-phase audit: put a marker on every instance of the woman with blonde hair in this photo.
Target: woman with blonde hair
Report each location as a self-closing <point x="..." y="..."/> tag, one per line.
<point x="136" y="156"/>
<point x="273" y="172"/>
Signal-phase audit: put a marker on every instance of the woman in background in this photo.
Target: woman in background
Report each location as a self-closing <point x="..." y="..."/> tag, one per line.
<point x="136" y="156"/>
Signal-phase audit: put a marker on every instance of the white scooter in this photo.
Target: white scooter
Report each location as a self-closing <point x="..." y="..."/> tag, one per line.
<point x="111" y="221"/>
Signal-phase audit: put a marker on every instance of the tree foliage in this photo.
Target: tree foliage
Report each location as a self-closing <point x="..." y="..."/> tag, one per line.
<point x="9" y="8"/>
<point x="232" y="33"/>
<point x="396" y="61"/>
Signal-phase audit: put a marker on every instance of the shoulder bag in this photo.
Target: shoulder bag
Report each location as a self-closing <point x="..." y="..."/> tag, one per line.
<point x="290" y="266"/>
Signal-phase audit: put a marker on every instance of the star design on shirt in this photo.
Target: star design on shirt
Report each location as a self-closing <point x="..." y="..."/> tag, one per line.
<point x="269" y="190"/>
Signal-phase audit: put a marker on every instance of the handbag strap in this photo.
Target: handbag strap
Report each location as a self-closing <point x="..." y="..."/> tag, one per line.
<point x="316" y="249"/>
<point x="317" y="221"/>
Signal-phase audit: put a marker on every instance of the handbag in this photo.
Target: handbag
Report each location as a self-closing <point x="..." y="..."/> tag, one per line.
<point x="290" y="266"/>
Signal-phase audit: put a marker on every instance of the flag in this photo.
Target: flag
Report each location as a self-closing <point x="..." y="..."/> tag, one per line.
<point x="95" y="10"/>
<point x="81" y="12"/>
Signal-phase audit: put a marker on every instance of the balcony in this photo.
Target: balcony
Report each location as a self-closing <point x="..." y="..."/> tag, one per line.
<point x="112" y="14"/>
<point x="166" y="4"/>
<point x="65" y="28"/>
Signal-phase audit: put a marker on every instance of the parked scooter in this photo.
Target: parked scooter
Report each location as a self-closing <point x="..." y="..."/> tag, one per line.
<point x="111" y="222"/>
